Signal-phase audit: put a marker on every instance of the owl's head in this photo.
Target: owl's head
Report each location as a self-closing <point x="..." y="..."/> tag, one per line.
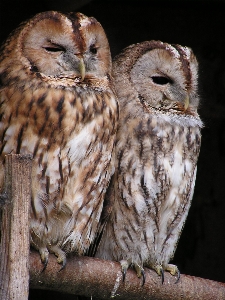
<point x="163" y="76"/>
<point x="62" y="46"/>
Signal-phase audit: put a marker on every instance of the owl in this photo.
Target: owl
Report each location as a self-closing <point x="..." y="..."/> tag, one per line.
<point x="157" y="149"/>
<point x="57" y="102"/>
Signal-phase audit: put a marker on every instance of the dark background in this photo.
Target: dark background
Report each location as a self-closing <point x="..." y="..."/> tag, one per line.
<point x="199" y="25"/>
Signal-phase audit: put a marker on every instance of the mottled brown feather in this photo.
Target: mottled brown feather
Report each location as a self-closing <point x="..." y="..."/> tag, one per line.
<point x="66" y="123"/>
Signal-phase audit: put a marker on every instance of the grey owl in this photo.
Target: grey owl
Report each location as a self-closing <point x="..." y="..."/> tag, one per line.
<point x="157" y="149"/>
<point x="57" y="103"/>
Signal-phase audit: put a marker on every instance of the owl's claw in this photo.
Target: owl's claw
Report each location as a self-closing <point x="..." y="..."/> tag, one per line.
<point x="159" y="270"/>
<point x="139" y="270"/>
<point x="172" y="269"/>
<point x="124" y="272"/>
<point x="63" y="264"/>
<point x="44" y="257"/>
<point x="45" y="266"/>
<point x="61" y="256"/>
<point x="124" y="266"/>
<point x="143" y="276"/>
<point x="162" y="275"/>
<point x="178" y="276"/>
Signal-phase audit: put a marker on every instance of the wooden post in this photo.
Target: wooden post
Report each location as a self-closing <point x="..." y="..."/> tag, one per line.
<point x="14" y="228"/>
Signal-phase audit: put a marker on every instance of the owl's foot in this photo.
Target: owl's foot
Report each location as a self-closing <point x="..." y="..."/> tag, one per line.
<point x="124" y="266"/>
<point x="139" y="270"/>
<point x="173" y="271"/>
<point x="170" y="268"/>
<point x="44" y="257"/>
<point x="61" y="256"/>
<point x="159" y="270"/>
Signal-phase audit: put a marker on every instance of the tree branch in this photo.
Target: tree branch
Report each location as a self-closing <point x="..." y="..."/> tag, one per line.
<point x="103" y="279"/>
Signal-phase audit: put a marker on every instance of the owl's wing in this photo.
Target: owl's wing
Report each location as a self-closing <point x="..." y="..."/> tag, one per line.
<point x="106" y="211"/>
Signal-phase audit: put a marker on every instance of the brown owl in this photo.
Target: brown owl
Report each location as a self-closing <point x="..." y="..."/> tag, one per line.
<point x="157" y="149"/>
<point x="57" y="103"/>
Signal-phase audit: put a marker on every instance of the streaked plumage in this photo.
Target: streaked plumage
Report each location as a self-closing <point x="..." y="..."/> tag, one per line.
<point x="157" y="148"/>
<point x="57" y="103"/>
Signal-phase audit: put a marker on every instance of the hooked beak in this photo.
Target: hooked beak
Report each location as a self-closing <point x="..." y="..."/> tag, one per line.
<point x="186" y="103"/>
<point x="82" y="69"/>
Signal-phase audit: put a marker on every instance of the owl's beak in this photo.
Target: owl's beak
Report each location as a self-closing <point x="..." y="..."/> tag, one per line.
<point x="186" y="102"/>
<point x="82" y="69"/>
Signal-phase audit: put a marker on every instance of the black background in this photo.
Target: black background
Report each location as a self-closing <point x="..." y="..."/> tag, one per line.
<point x="199" y="25"/>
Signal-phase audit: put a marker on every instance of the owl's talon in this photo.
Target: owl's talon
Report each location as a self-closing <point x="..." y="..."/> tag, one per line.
<point x="62" y="260"/>
<point x="124" y="272"/>
<point x="159" y="270"/>
<point x="143" y="276"/>
<point x="61" y="256"/>
<point x="44" y="257"/>
<point x="45" y="265"/>
<point x="124" y="266"/>
<point x="178" y="276"/>
<point x="63" y="265"/>
<point x="173" y="271"/>
<point x="140" y="272"/>
<point x="162" y="275"/>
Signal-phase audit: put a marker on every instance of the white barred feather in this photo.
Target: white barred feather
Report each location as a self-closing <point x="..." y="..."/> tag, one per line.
<point x="157" y="148"/>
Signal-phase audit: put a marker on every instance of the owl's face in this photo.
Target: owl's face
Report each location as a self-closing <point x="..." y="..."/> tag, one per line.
<point x="65" y="46"/>
<point x="163" y="77"/>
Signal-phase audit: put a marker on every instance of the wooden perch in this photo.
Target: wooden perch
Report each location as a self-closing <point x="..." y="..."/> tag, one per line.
<point x="103" y="279"/>
<point x="14" y="228"/>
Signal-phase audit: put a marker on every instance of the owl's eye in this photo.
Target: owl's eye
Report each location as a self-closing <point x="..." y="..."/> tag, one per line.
<point x="54" y="48"/>
<point x="161" y="80"/>
<point x="93" y="49"/>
